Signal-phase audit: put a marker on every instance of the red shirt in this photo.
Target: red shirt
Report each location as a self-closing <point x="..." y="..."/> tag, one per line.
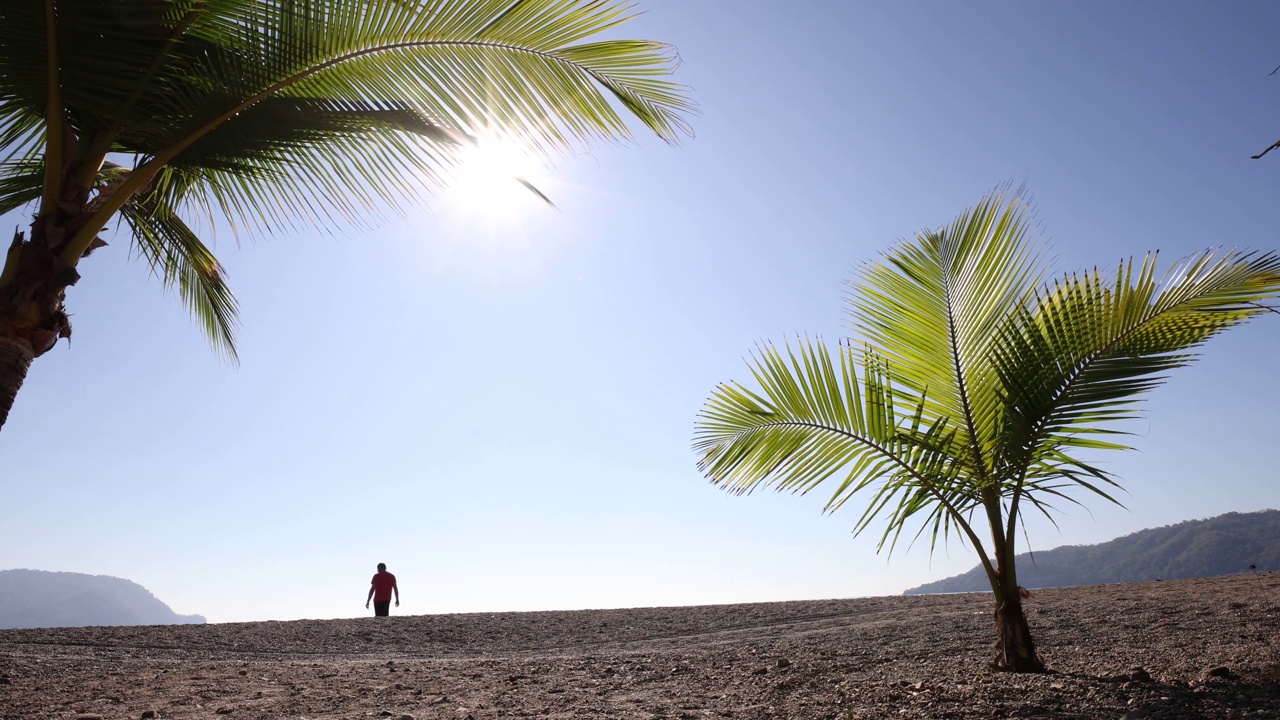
<point x="382" y="584"/>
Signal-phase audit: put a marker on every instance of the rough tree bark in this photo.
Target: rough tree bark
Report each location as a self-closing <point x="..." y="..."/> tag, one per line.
<point x="33" y="286"/>
<point x="15" y="359"/>
<point x="1015" y="651"/>
<point x="33" y="275"/>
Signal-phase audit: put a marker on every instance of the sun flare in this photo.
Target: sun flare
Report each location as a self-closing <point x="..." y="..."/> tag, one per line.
<point x="496" y="180"/>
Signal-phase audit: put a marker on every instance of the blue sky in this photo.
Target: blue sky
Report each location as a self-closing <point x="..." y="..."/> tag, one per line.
<point x="501" y="408"/>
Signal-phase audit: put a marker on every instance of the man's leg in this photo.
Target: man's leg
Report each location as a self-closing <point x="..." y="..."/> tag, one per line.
<point x="381" y="608"/>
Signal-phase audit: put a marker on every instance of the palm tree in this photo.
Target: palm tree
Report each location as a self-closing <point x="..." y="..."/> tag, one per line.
<point x="978" y="390"/>
<point x="274" y="114"/>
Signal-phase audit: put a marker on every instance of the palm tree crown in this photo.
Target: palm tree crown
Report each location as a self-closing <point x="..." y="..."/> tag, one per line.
<point x="274" y="113"/>
<point x="976" y="386"/>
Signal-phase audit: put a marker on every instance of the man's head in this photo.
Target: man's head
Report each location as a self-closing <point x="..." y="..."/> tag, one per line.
<point x="382" y="567"/>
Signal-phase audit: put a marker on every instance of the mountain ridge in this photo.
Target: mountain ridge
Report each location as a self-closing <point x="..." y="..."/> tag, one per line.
<point x="1222" y="545"/>
<point x="45" y="599"/>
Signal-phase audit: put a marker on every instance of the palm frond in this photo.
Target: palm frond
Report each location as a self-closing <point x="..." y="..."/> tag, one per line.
<point x="244" y="170"/>
<point x="1080" y="360"/>
<point x="20" y="184"/>
<point x="181" y="260"/>
<point x="814" y="420"/>
<point x="934" y="306"/>
<point x="20" y="135"/>
<point x="191" y="81"/>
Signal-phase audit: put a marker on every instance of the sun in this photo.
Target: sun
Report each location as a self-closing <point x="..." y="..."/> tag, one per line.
<point x="497" y="181"/>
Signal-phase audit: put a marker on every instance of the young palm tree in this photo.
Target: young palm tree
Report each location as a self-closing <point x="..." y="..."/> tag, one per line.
<point x="978" y="390"/>
<point x="274" y="113"/>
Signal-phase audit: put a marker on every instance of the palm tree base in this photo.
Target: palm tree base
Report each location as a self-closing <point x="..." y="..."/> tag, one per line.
<point x="1015" y="651"/>
<point x="16" y="355"/>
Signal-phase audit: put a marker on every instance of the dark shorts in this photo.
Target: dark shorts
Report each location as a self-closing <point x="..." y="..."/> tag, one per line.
<point x="381" y="608"/>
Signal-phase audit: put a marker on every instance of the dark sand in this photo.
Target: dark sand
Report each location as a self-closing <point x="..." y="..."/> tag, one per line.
<point x="898" y="657"/>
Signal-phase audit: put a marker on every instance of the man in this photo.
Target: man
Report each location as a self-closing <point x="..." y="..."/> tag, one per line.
<point x="380" y="590"/>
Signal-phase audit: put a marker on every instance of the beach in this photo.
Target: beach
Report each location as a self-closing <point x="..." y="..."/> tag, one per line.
<point x="1207" y="648"/>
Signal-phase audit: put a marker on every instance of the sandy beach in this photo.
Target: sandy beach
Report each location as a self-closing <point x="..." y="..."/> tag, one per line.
<point x="1176" y="649"/>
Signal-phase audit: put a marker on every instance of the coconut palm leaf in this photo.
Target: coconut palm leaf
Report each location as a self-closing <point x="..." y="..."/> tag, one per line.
<point x="278" y="114"/>
<point x="934" y="307"/>
<point x="506" y="67"/>
<point x="815" y="419"/>
<point x="181" y="260"/>
<point x="20" y="184"/>
<point x="1078" y="362"/>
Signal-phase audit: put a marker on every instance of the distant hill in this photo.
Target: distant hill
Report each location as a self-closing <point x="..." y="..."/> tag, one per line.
<point x="1222" y="545"/>
<point x="35" y="599"/>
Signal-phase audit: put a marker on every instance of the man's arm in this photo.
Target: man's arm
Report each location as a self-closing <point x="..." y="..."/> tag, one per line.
<point x="366" y="600"/>
<point x="395" y="587"/>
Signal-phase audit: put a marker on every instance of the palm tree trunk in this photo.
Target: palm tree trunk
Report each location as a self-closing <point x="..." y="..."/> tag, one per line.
<point x="15" y="359"/>
<point x="32" y="315"/>
<point x="1015" y="650"/>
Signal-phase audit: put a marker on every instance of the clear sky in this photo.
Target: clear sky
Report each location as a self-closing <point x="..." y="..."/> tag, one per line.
<point x="501" y="408"/>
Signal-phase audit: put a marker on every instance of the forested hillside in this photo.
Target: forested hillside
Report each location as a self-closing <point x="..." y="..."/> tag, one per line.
<point x="40" y="599"/>
<point x="1222" y="545"/>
